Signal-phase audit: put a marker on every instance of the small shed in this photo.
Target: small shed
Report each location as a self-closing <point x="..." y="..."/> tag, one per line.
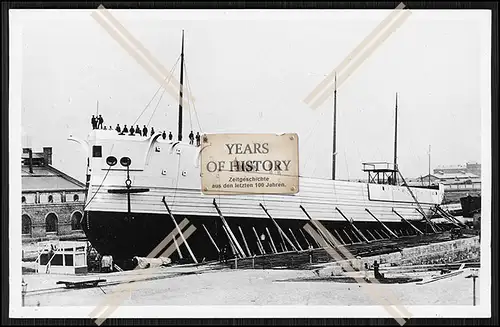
<point x="62" y="257"/>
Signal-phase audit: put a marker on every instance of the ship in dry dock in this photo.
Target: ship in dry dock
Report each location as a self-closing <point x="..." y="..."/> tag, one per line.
<point x="141" y="189"/>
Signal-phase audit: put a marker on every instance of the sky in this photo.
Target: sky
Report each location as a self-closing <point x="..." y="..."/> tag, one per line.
<point x="250" y="72"/>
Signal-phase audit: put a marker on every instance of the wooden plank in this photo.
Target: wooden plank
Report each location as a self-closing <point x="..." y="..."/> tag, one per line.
<point x="244" y="241"/>
<point x="415" y="228"/>
<point x="352" y="225"/>
<point x="224" y="222"/>
<point x="179" y="231"/>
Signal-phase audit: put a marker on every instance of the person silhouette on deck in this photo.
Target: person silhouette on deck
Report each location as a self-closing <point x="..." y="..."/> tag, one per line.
<point x="101" y="121"/>
<point x="145" y="131"/>
<point x="191" y="138"/>
<point x="137" y="130"/>
<point x="164" y="135"/>
<point x="93" y="121"/>
<point x="170" y="136"/>
<point x="118" y="129"/>
<point x="125" y="129"/>
<point x="105" y="127"/>
<point x="198" y="139"/>
<point x="132" y="131"/>
<point x="152" y="131"/>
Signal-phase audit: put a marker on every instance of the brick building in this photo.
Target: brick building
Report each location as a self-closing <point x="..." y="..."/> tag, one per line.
<point x="52" y="202"/>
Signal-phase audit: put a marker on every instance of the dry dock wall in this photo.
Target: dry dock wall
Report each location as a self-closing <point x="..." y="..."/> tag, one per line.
<point x="436" y="253"/>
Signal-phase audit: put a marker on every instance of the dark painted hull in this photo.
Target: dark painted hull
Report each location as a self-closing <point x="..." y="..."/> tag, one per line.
<point x="122" y="237"/>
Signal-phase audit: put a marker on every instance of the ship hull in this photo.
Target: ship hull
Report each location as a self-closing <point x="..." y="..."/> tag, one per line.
<point x="150" y="235"/>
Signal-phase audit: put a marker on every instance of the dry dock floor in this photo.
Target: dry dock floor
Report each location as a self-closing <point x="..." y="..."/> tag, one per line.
<point x="205" y="285"/>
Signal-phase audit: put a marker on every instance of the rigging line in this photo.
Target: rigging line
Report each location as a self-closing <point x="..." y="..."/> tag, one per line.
<point x="93" y="196"/>
<point x="189" y="105"/>
<point x="194" y="106"/>
<point x="156" y="107"/>
<point x="158" y="90"/>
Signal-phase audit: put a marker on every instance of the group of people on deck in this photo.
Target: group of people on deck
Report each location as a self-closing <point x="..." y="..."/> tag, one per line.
<point x="97" y="123"/>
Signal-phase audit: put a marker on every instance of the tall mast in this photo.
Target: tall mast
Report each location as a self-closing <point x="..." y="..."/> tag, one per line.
<point x="395" y="141"/>
<point x="334" y="154"/>
<point x="429" y="165"/>
<point x="180" y="89"/>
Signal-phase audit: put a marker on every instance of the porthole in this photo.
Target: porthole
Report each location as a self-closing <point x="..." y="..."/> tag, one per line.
<point x="111" y="161"/>
<point x="125" y="161"/>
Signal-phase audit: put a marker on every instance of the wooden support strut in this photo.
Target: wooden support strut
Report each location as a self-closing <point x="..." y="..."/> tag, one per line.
<point x="305" y="238"/>
<point x="228" y="230"/>
<point x="296" y="241"/>
<point x="278" y="227"/>
<point x="259" y="243"/>
<point x="415" y="228"/>
<point x="179" y="231"/>
<point x="211" y="239"/>
<point x="177" y="248"/>
<point x="338" y="236"/>
<point x="244" y="241"/>
<point x="274" y="249"/>
<point x="325" y="238"/>
<point x="448" y="218"/>
<point x="445" y="214"/>
<point x="353" y="226"/>
<point x="433" y="226"/>
<point x="383" y="225"/>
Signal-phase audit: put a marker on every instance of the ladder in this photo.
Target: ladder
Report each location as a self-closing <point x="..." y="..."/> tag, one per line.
<point x="416" y="201"/>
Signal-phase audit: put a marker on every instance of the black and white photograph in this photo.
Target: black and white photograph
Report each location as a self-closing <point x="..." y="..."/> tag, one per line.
<point x="250" y="163"/>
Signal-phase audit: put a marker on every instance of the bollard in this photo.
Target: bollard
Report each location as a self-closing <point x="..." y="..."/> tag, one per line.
<point x="253" y="262"/>
<point x="24" y="287"/>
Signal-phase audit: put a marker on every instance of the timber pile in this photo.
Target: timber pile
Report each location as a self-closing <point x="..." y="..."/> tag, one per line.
<point x="302" y="259"/>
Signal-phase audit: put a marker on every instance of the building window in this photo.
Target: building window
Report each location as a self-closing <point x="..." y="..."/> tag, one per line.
<point x="51" y="198"/>
<point x="51" y="223"/>
<point x="26" y="225"/>
<point x="23" y="199"/>
<point x="75" y="197"/>
<point x="75" y="221"/>
<point x="97" y="151"/>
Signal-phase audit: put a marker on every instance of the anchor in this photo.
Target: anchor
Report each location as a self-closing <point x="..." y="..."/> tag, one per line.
<point x="125" y="162"/>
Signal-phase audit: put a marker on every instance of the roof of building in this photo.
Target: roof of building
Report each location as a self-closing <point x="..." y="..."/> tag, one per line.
<point x="456" y="175"/>
<point x="46" y="178"/>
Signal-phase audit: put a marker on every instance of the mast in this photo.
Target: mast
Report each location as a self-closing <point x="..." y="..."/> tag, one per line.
<point x="179" y="136"/>
<point x="334" y="154"/>
<point x="429" y="165"/>
<point x="396" y="141"/>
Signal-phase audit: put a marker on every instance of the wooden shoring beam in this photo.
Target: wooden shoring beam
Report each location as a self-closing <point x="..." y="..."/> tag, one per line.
<point x="350" y="239"/>
<point x="352" y="225"/>
<point x="378" y="234"/>
<point x="305" y="238"/>
<point x="179" y="230"/>
<point x="338" y="236"/>
<point x="177" y="248"/>
<point x="229" y="231"/>
<point x="275" y="250"/>
<point x="259" y="243"/>
<point x="381" y="223"/>
<point x="245" y="241"/>
<point x="429" y="222"/>
<point x="211" y="239"/>
<point x="368" y="231"/>
<point x="295" y="239"/>
<point x="403" y="218"/>
<point x="320" y="232"/>
<point x="279" y="228"/>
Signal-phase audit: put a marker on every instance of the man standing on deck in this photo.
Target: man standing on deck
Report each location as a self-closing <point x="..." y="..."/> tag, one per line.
<point x="170" y="136"/>
<point x="164" y="135"/>
<point x="118" y="129"/>
<point x="93" y="121"/>
<point x="101" y="121"/>
<point x="191" y="138"/>
<point x="198" y="139"/>
<point x="125" y="130"/>
<point x="145" y="131"/>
